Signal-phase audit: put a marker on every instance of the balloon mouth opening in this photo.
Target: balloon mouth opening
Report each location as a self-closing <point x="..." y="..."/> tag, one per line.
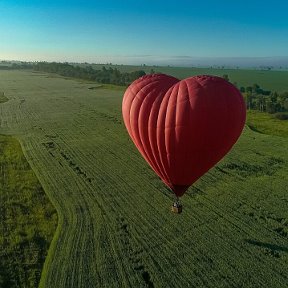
<point x="178" y="190"/>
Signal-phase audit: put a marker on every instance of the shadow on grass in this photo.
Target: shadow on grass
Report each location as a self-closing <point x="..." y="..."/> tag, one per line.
<point x="272" y="247"/>
<point x="253" y="128"/>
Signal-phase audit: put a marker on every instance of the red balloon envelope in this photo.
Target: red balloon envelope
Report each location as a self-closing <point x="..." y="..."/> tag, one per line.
<point x="183" y="128"/>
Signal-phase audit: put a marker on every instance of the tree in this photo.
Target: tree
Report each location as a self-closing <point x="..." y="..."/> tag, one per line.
<point x="255" y="88"/>
<point x="248" y="97"/>
<point x="274" y="96"/>
<point x="270" y="107"/>
<point x="226" y="77"/>
<point x="249" y="89"/>
<point x="242" y="89"/>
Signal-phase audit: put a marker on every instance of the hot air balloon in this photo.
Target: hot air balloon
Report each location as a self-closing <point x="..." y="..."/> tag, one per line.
<point x="183" y="128"/>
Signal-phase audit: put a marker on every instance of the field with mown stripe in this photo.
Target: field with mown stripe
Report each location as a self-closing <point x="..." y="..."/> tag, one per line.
<point x="115" y="228"/>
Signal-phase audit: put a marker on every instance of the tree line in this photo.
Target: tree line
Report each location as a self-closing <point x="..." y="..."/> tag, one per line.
<point x="105" y="75"/>
<point x="256" y="98"/>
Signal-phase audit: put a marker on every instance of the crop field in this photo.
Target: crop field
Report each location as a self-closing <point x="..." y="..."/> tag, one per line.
<point x="115" y="228"/>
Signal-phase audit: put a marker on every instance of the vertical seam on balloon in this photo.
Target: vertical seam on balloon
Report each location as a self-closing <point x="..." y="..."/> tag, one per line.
<point x="129" y="110"/>
<point x="188" y="94"/>
<point x="160" y="168"/>
<point x="158" y="140"/>
<point x="130" y="131"/>
<point x="159" y="149"/>
<point x="175" y="119"/>
<point x="240" y="104"/>
<point x="135" y="96"/>
<point x="190" y="108"/>
<point x="141" y="140"/>
<point x="206" y="96"/>
<point x="243" y="108"/>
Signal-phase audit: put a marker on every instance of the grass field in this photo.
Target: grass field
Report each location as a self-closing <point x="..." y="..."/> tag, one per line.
<point x="115" y="228"/>
<point x="267" y="124"/>
<point x="28" y="220"/>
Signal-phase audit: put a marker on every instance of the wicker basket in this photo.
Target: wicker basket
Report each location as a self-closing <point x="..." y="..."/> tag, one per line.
<point x="176" y="209"/>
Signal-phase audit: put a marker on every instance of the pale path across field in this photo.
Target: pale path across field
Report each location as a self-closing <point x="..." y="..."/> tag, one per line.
<point x="115" y="228"/>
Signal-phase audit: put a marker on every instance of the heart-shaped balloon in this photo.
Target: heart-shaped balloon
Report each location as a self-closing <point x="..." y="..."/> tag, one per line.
<point x="183" y="128"/>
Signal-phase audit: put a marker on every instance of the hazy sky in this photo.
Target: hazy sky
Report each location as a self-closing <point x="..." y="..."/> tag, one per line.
<point x="94" y="30"/>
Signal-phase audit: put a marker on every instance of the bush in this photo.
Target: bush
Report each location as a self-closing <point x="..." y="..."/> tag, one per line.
<point x="281" y="116"/>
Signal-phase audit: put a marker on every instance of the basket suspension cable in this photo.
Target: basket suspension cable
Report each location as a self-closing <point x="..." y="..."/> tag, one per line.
<point x="177" y="201"/>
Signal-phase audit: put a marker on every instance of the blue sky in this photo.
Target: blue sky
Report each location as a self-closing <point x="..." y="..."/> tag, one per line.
<point x="119" y="30"/>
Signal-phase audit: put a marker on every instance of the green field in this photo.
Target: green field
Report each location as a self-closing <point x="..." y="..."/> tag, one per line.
<point x="115" y="228"/>
<point x="28" y="219"/>
<point x="269" y="80"/>
<point x="267" y="124"/>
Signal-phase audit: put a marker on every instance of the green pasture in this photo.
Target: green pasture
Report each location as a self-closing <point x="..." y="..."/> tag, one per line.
<point x="115" y="228"/>
<point x="266" y="123"/>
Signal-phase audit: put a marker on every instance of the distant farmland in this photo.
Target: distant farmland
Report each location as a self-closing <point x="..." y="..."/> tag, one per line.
<point x="115" y="228"/>
<point x="270" y="80"/>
